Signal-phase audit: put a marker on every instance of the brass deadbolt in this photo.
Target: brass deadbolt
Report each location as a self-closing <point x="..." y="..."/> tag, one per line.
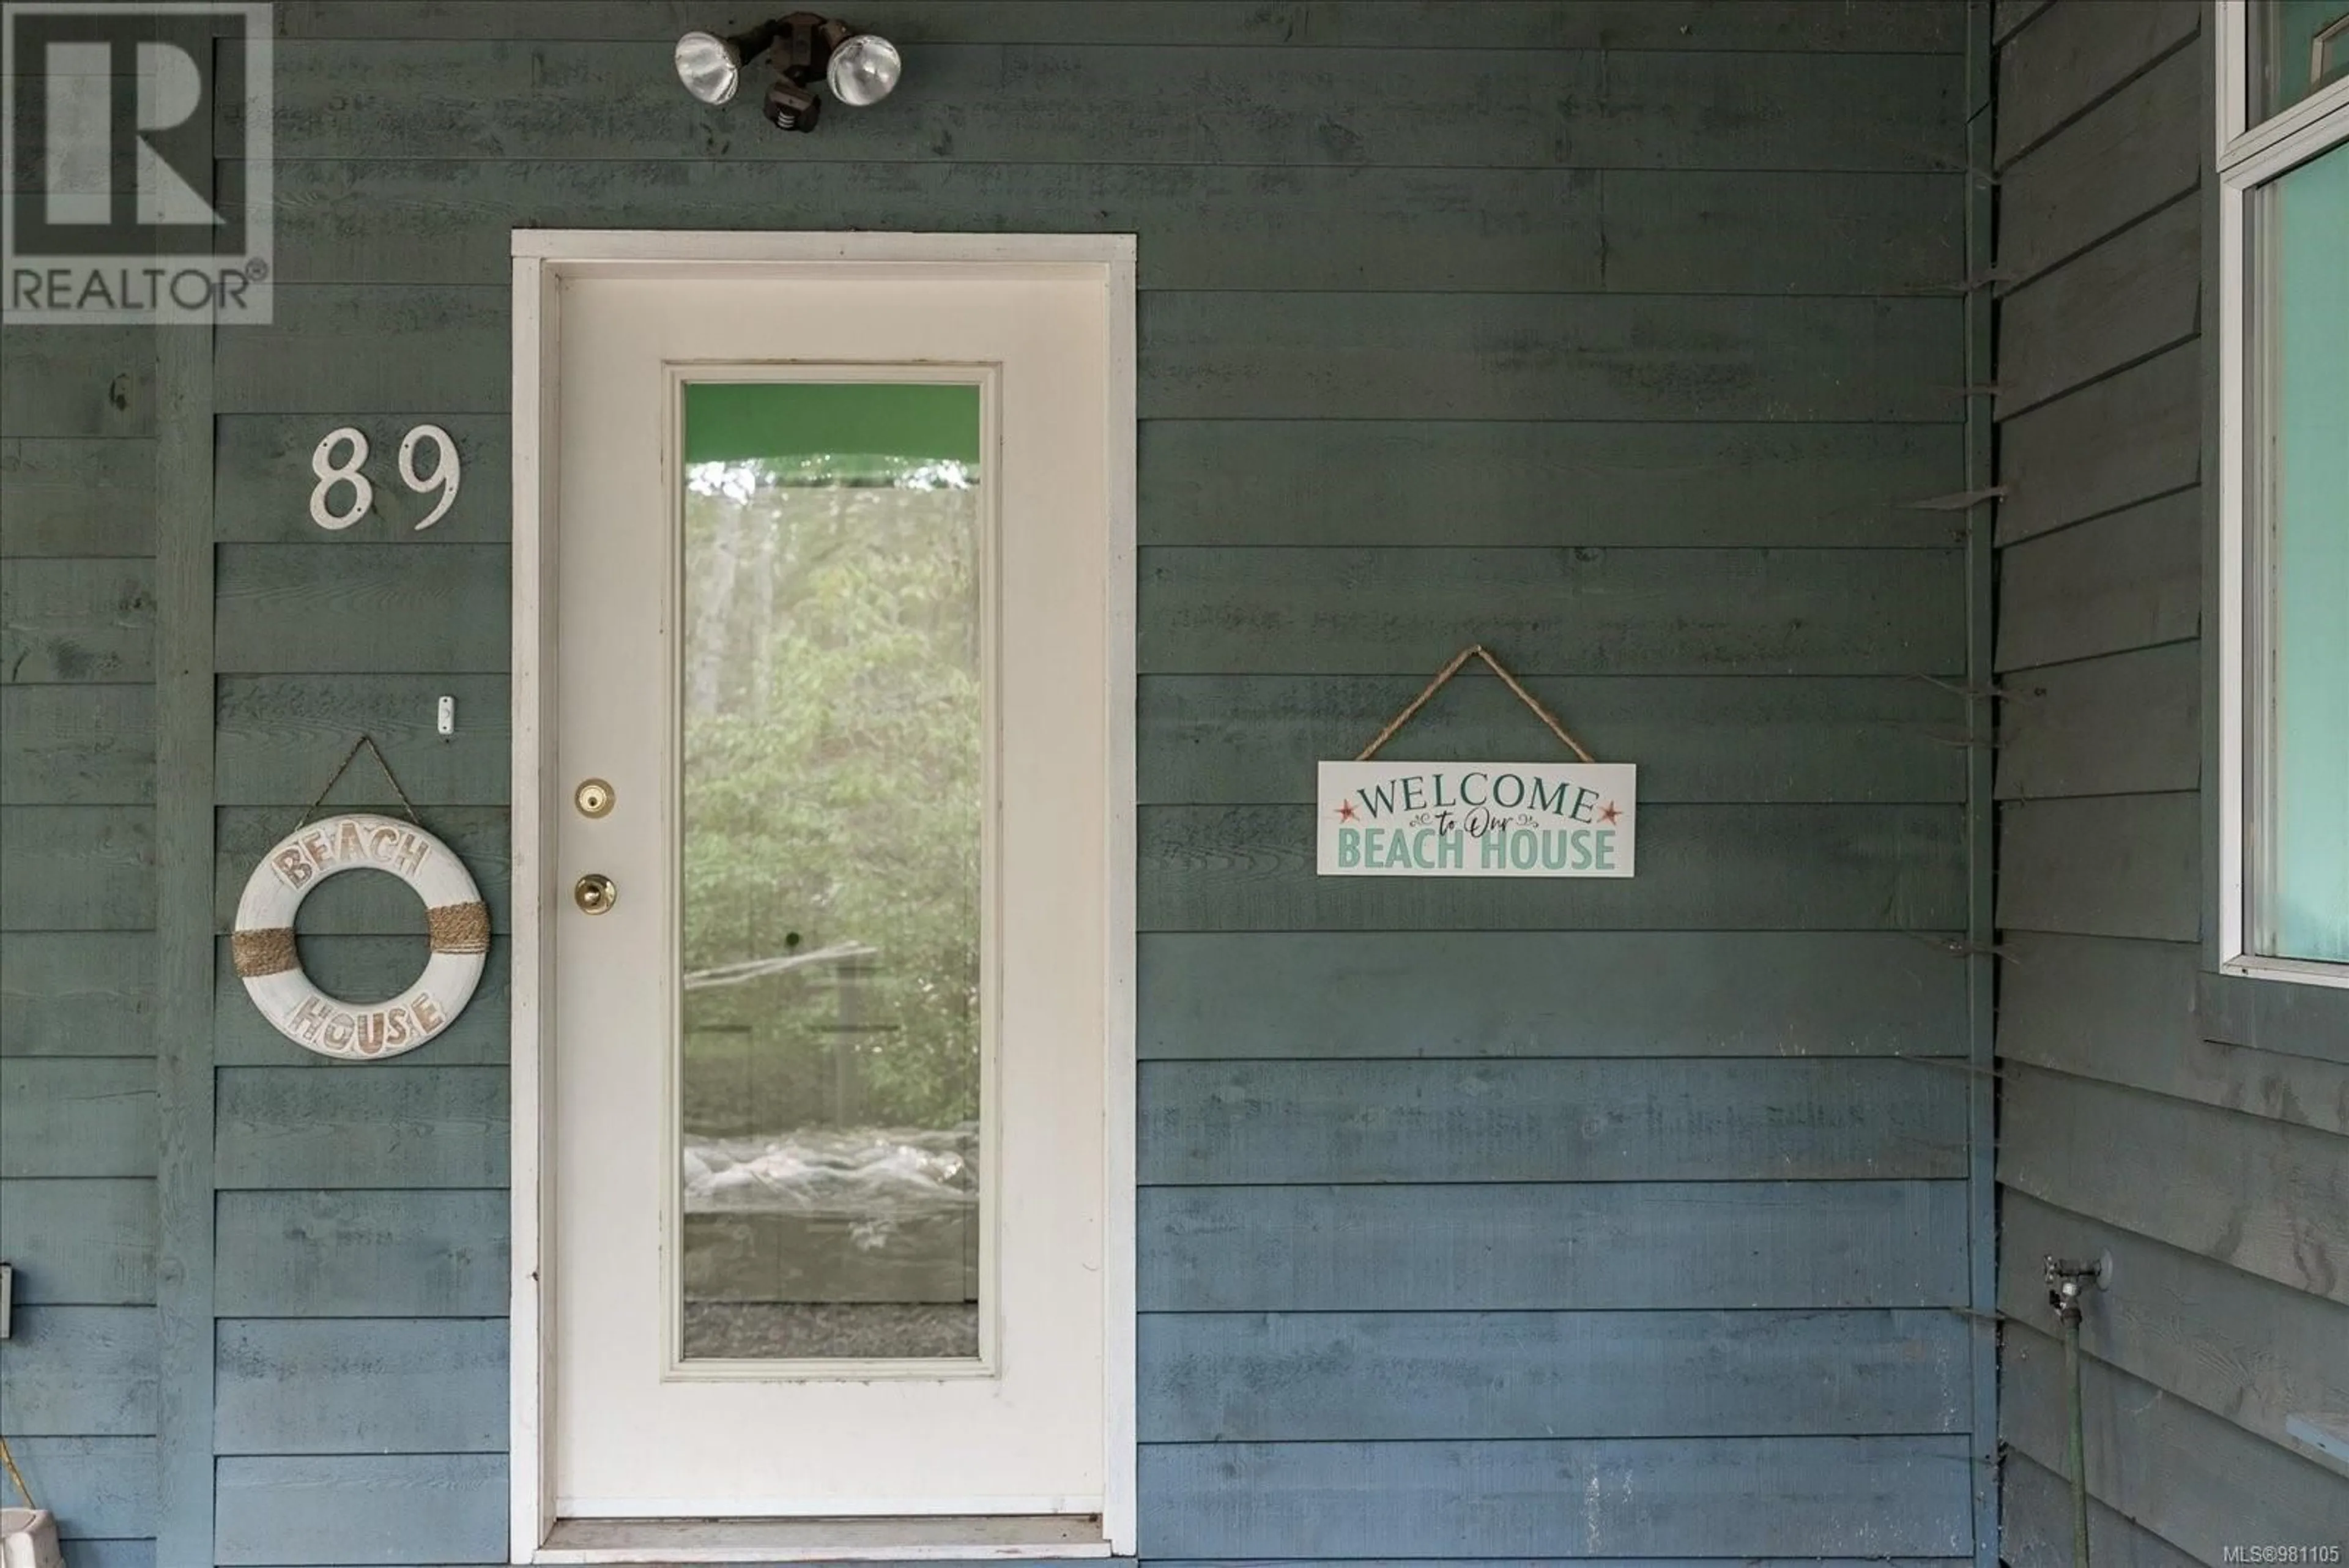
<point x="594" y="798"/>
<point x="595" y="893"/>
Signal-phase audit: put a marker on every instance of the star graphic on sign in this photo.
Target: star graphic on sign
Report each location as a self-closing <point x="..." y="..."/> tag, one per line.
<point x="1345" y="811"/>
<point x="1609" y="815"/>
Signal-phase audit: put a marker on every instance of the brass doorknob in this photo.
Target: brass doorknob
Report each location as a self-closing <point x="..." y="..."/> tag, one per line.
<point x="595" y="893"/>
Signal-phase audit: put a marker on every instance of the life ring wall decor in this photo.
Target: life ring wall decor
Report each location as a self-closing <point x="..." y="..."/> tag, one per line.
<point x="267" y="961"/>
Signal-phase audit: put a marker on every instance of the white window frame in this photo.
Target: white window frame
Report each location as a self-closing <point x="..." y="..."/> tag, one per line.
<point x="2249" y="156"/>
<point x="541" y="259"/>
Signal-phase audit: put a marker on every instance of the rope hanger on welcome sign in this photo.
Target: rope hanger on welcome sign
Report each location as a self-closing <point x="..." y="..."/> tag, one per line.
<point x="1474" y="651"/>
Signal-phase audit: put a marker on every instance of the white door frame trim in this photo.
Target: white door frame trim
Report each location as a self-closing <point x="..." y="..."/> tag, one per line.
<point x="542" y="258"/>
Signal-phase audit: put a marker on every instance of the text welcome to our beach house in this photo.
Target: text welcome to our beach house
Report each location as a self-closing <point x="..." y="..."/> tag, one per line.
<point x="1475" y="819"/>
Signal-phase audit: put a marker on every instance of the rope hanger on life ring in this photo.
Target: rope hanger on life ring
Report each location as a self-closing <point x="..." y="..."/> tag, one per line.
<point x="456" y="920"/>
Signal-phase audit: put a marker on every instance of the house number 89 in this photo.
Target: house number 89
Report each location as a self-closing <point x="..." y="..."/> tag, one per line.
<point x="443" y="475"/>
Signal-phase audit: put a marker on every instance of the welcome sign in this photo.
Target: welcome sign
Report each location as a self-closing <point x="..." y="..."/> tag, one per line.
<point x="1476" y="819"/>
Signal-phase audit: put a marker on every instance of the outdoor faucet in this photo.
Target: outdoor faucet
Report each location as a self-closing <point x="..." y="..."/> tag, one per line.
<point x="2068" y="1281"/>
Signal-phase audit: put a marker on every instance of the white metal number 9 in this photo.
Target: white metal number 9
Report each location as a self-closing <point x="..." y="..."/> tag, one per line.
<point x="331" y="474"/>
<point x="443" y="477"/>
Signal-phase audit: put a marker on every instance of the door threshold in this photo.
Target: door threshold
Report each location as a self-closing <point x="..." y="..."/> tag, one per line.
<point x="923" y="1538"/>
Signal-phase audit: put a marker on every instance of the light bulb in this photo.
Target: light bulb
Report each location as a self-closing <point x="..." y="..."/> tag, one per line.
<point x="709" y="67"/>
<point x="864" y="69"/>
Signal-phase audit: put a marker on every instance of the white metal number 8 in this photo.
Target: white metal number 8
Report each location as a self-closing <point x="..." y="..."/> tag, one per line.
<point x="330" y="475"/>
<point x="443" y="477"/>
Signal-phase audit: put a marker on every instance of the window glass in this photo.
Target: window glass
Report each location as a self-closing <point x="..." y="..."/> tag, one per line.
<point x="833" y="794"/>
<point x="2297" y="47"/>
<point x="2304" y="334"/>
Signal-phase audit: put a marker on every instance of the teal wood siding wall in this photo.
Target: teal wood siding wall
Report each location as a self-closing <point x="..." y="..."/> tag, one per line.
<point x="1528" y="1220"/>
<point x="78" y="1124"/>
<point x="2196" y="1128"/>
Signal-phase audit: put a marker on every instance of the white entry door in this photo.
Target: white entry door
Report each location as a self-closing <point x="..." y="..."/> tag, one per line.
<point x="831" y="1059"/>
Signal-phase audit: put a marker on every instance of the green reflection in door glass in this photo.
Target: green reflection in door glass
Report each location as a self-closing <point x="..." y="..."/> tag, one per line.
<point x="832" y="791"/>
<point x="2309" y="487"/>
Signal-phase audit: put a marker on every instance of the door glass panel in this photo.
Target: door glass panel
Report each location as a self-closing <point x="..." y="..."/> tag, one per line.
<point x="833" y="788"/>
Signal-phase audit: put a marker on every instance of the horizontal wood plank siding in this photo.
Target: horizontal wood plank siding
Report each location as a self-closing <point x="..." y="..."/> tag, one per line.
<point x="71" y="621"/>
<point x="1244" y="740"/>
<point x="77" y="867"/>
<point x="85" y="497"/>
<point x="2134" y="435"/>
<point x="2113" y="865"/>
<point x="1643" y="612"/>
<point x="2038" y="1525"/>
<point x="1304" y="482"/>
<point x="1357" y="485"/>
<point x="1674" y="25"/>
<point x="80" y="1242"/>
<point x="1322" y="1376"/>
<point x="1083" y="103"/>
<point x="1760" y="867"/>
<point x="80" y="1138"/>
<point x="1228" y="354"/>
<point x="282" y="1127"/>
<point x="389" y="1509"/>
<point x="2129" y="580"/>
<point x="367" y="1253"/>
<point x="2121" y="723"/>
<point x="76" y="993"/>
<point x="2132" y="154"/>
<point x="2127" y="299"/>
<point x="2186" y="1474"/>
<point x="96" y="382"/>
<point x="80" y="1371"/>
<point x="2194" y="1130"/>
<point x="100" y="1489"/>
<point x="2306" y="1021"/>
<point x="1828" y="1495"/>
<point x="2242" y="1188"/>
<point x="90" y="1553"/>
<point x="1652" y="1119"/>
<point x="2143" y="1021"/>
<point x="78" y="1115"/>
<point x="1553" y="1222"/>
<point x="420" y="1386"/>
<point x="88" y="745"/>
<point x="2076" y="56"/>
<point x="280" y="737"/>
<point x="2237" y="1345"/>
<point x="1631" y="231"/>
<point x="1560" y="1246"/>
<point x="1593" y="1563"/>
<point x="1370" y="994"/>
<point x="364" y="607"/>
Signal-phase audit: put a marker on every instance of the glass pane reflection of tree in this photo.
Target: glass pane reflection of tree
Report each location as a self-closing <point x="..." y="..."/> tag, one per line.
<point x="833" y="794"/>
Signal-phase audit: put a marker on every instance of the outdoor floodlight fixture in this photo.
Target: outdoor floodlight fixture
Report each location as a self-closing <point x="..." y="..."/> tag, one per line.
<point x="860" y="67"/>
